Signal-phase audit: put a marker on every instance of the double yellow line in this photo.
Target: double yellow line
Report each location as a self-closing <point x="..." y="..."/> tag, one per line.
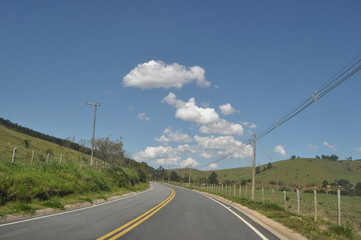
<point x="115" y="234"/>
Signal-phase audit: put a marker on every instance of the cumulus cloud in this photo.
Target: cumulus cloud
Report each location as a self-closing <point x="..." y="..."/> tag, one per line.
<point x="189" y="162"/>
<point x="222" y="127"/>
<point x="204" y="147"/>
<point x="156" y="152"/>
<point x="142" y="116"/>
<point x="189" y="111"/>
<point x="326" y="144"/>
<point x="227" y="109"/>
<point x="208" y="117"/>
<point x="157" y="74"/>
<point x="249" y="125"/>
<point x="222" y="146"/>
<point x="280" y="150"/>
<point x="170" y="136"/>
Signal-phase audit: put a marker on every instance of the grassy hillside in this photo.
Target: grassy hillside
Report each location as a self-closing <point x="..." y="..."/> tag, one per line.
<point x="36" y="182"/>
<point x="300" y="172"/>
<point x="24" y="144"/>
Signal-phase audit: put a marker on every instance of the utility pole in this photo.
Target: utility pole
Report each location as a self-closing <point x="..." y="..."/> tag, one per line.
<point x="189" y="179"/>
<point x="254" y="167"/>
<point x="95" y="105"/>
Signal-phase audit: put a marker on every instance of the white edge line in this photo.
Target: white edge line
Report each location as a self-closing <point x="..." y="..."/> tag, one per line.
<point x="75" y="210"/>
<point x="239" y="217"/>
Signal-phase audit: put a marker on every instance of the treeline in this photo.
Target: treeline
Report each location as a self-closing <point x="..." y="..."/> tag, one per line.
<point x="30" y="132"/>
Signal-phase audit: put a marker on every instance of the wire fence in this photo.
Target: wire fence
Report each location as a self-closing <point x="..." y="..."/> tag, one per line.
<point x="339" y="209"/>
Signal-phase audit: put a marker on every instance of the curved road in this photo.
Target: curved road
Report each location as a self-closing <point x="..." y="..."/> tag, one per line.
<point x="160" y="213"/>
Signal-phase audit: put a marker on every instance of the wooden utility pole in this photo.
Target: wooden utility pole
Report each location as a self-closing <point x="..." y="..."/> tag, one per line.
<point x="95" y="105"/>
<point x="254" y="167"/>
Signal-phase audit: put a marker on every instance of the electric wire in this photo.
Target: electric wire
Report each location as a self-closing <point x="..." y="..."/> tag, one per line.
<point x="351" y="69"/>
<point x="46" y="78"/>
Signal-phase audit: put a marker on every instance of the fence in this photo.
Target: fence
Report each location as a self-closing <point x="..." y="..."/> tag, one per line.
<point x="24" y="155"/>
<point x="333" y="208"/>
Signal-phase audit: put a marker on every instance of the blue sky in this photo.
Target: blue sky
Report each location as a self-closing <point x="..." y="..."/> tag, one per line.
<point x="184" y="82"/>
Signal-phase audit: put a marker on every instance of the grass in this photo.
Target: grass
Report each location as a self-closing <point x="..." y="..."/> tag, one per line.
<point x="324" y="228"/>
<point x="25" y="188"/>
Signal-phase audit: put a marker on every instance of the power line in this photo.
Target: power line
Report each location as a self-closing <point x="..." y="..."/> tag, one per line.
<point x="49" y="79"/>
<point x="351" y="69"/>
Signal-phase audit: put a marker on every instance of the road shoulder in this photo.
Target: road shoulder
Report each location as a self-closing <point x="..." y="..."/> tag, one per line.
<point x="274" y="227"/>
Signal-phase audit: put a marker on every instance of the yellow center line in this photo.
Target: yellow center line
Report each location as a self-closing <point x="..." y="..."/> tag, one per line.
<point x="138" y="220"/>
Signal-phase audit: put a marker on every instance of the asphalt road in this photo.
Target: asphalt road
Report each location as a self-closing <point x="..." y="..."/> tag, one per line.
<point x="160" y="213"/>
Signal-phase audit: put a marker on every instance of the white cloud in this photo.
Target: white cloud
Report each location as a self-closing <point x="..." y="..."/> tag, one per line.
<point x="227" y="109"/>
<point x="326" y="144"/>
<point x="170" y="136"/>
<point x="189" y="162"/>
<point x="249" y="125"/>
<point x="357" y="149"/>
<point x="142" y="116"/>
<point x="189" y="111"/>
<point x="312" y="147"/>
<point x="157" y="74"/>
<point x="221" y="147"/>
<point x="192" y="113"/>
<point x="213" y="165"/>
<point x="208" y="117"/>
<point x="280" y="149"/>
<point x="222" y="127"/>
<point x="155" y="152"/>
<point x="206" y="147"/>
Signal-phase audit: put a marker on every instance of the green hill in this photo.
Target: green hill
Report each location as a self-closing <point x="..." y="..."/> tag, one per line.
<point x="301" y="172"/>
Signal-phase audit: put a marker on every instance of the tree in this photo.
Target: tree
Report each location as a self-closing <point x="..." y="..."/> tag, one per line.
<point x="333" y="157"/>
<point x="110" y="151"/>
<point x="212" y="179"/>
<point x="160" y="172"/>
<point x="258" y="170"/>
<point x="269" y="166"/>
<point x="174" y="176"/>
<point x="325" y="183"/>
<point x="343" y="182"/>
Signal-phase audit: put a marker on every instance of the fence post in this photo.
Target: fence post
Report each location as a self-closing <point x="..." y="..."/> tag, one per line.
<point x="298" y="201"/>
<point x="61" y="158"/>
<point x="47" y="158"/>
<point x="240" y="191"/>
<point x="315" y="200"/>
<point x="245" y="192"/>
<point x="285" y="198"/>
<point x="234" y="190"/>
<point x="262" y="195"/>
<point x="13" y="157"/>
<point x="273" y="195"/>
<point x="338" y="207"/>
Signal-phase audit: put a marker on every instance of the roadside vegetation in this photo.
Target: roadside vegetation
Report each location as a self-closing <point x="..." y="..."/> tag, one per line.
<point x="37" y="174"/>
<point x="271" y="201"/>
<point x="305" y="225"/>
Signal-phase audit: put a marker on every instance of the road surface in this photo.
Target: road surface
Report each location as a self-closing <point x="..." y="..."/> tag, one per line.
<point x="161" y="213"/>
